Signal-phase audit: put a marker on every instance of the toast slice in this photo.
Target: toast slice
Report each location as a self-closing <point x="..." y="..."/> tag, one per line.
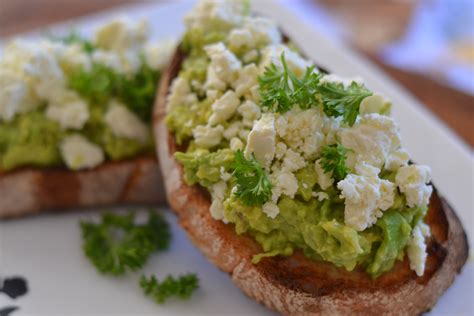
<point x="33" y="190"/>
<point x="296" y="285"/>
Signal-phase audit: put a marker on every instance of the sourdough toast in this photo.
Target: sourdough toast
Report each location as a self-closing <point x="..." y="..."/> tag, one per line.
<point x="296" y="285"/>
<point x="33" y="190"/>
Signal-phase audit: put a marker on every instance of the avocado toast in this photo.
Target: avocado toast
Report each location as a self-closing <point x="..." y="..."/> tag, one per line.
<point x="74" y="119"/>
<point x="334" y="221"/>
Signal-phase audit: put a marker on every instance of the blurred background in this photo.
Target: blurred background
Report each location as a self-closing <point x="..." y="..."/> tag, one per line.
<point x="425" y="45"/>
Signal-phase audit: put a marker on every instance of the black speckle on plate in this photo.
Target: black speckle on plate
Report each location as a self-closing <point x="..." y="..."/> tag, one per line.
<point x="6" y="311"/>
<point x="14" y="287"/>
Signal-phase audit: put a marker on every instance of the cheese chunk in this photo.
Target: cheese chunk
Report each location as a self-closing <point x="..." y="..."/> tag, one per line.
<point x="223" y="68"/>
<point x="270" y="209"/>
<point x="416" y="248"/>
<point x="366" y="196"/>
<point x="16" y="96"/>
<point x="206" y="136"/>
<point x="224" y="107"/>
<point x="250" y="112"/>
<point x="261" y="140"/>
<point x="122" y="34"/>
<point x="73" y="114"/>
<point x="79" y="153"/>
<point x="125" y="123"/>
<point x="412" y="181"/>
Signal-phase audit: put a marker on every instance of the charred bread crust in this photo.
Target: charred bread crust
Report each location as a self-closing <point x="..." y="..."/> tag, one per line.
<point x="296" y="285"/>
<point x="33" y="190"/>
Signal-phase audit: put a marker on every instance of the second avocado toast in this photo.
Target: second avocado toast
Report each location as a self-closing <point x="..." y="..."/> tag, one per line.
<point x="295" y="182"/>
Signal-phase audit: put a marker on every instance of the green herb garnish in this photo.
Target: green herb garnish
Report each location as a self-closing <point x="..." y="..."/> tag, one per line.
<point x="74" y="38"/>
<point x="101" y="83"/>
<point x="181" y="287"/>
<point x="333" y="159"/>
<point x="343" y="101"/>
<point x="118" y="244"/>
<point x="280" y="90"/>
<point x="252" y="183"/>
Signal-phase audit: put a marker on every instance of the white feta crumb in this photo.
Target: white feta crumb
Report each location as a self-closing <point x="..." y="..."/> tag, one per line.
<point x="233" y="130"/>
<point x="325" y="180"/>
<point x="218" y="194"/>
<point x="236" y="144"/>
<point x="416" y="250"/>
<point x="122" y="34"/>
<point x="158" y="54"/>
<point x="366" y="196"/>
<point x="224" y="107"/>
<point x="224" y="65"/>
<point x="321" y="196"/>
<point x="413" y="181"/>
<point x="125" y="123"/>
<point x="270" y="209"/>
<point x="246" y="79"/>
<point x="79" y="153"/>
<point x="206" y="136"/>
<point x="261" y="140"/>
<point x="293" y="161"/>
<point x="284" y="182"/>
<point x="69" y="115"/>
<point x="376" y="103"/>
<point x="250" y="112"/>
<point x="225" y="176"/>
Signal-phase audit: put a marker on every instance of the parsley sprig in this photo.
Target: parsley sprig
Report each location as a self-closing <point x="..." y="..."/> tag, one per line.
<point x="181" y="287"/>
<point x="333" y="159"/>
<point x="281" y="89"/>
<point x="118" y="244"/>
<point x="252" y="184"/>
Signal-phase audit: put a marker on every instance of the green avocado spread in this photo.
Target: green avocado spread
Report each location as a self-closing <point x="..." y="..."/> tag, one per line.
<point x="297" y="159"/>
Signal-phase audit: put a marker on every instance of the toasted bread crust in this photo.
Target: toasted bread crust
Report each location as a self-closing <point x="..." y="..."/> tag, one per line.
<point x="33" y="190"/>
<point x="296" y="285"/>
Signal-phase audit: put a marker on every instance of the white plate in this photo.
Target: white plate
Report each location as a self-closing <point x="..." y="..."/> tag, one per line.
<point x="46" y="249"/>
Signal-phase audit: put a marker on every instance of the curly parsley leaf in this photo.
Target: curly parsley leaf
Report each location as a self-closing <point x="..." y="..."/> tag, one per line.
<point x="281" y="89"/>
<point x="74" y="38"/>
<point x="252" y="183"/>
<point x="333" y="159"/>
<point x="339" y="100"/>
<point x="118" y="244"/>
<point x="100" y="84"/>
<point x="181" y="287"/>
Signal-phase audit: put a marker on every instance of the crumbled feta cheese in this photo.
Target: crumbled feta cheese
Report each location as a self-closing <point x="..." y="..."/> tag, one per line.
<point x="122" y="34"/>
<point x="79" y="153"/>
<point x="70" y="114"/>
<point x="321" y="196"/>
<point x="272" y="55"/>
<point x="16" y="96"/>
<point x="416" y="249"/>
<point x="224" y="107"/>
<point x="247" y="78"/>
<point x="218" y="194"/>
<point x="366" y="196"/>
<point x="224" y="66"/>
<point x="125" y="123"/>
<point x="250" y="56"/>
<point x="261" y="140"/>
<point x="250" y="112"/>
<point x="233" y="130"/>
<point x="325" y="180"/>
<point x="74" y="57"/>
<point x="412" y="181"/>
<point x="239" y="38"/>
<point x="284" y="182"/>
<point x="376" y="103"/>
<point x="236" y="144"/>
<point x="397" y="159"/>
<point x="108" y="59"/>
<point x="225" y="176"/>
<point x="302" y="131"/>
<point x="207" y="136"/>
<point x="158" y="54"/>
<point x="180" y="94"/>
<point x="280" y="150"/>
<point x="293" y="161"/>
<point x="270" y="209"/>
<point x="373" y="139"/>
<point x="209" y="13"/>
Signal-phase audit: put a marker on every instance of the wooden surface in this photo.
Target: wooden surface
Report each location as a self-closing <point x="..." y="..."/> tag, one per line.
<point x="455" y="108"/>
